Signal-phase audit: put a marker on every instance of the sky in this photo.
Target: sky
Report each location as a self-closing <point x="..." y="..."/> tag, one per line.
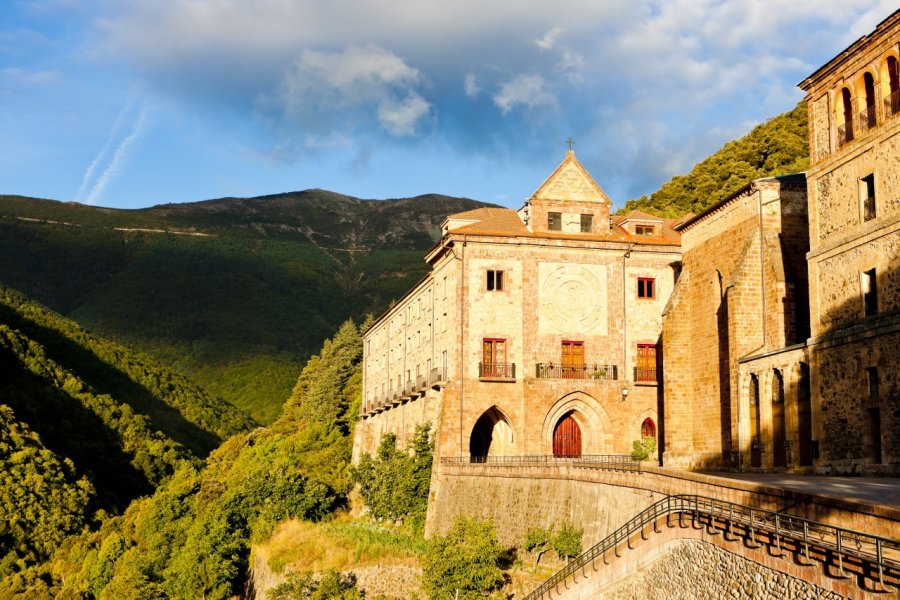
<point x="134" y="103"/>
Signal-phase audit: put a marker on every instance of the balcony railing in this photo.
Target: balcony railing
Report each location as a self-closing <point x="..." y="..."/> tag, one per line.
<point x="845" y="133"/>
<point x="646" y="374"/>
<point x="867" y="119"/>
<point x="892" y="104"/>
<point x="436" y="374"/>
<point x="497" y="371"/>
<point x="420" y="382"/>
<point x="556" y="371"/>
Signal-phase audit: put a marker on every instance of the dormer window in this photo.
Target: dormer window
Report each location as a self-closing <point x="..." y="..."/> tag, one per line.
<point x="587" y="222"/>
<point x="554" y="221"/>
<point x="644" y="230"/>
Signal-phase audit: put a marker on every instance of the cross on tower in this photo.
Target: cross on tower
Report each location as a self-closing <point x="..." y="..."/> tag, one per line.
<point x="571" y="144"/>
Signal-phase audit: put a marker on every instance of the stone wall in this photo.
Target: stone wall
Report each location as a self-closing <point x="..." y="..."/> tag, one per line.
<point x="515" y="505"/>
<point x="693" y="570"/>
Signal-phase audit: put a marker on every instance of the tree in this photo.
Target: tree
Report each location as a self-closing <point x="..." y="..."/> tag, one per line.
<point x="464" y="563"/>
<point x="567" y="541"/>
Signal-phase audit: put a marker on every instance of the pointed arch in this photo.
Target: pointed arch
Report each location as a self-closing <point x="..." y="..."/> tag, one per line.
<point x="492" y="435"/>
<point x="593" y="421"/>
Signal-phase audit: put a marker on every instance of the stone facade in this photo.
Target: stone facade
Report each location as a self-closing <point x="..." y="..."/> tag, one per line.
<point x="527" y="318"/>
<point x="854" y="271"/>
<point x="742" y="292"/>
<point x="692" y="570"/>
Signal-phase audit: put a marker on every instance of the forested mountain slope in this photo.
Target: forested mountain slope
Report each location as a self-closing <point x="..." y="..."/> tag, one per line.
<point x="238" y="292"/>
<point x="777" y="147"/>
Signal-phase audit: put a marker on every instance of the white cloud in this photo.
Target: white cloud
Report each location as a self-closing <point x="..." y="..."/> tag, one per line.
<point x="360" y="80"/>
<point x="529" y="91"/>
<point x="471" y="85"/>
<point x="120" y="156"/>
<point x="549" y="39"/>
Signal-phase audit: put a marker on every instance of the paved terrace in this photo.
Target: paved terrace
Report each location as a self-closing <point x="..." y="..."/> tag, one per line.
<point x="880" y="490"/>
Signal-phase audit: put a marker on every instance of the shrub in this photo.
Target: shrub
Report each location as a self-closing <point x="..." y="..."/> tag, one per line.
<point x="330" y="585"/>
<point x="537" y="540"/>
<point x="567" y="541"/>
<point x="643" y="449"/>
<point x="464" y="563"/>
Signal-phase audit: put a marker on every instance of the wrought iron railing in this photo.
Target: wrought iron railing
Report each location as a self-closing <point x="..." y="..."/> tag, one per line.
<point x="502" y="371"/>
<point x="611" y="462"/>
<point x="646" y="374"/>
<point x="557" y="371"/>
<point x="867" y="118"/>
<point x="892" y="104"/>
<point x="865" y="555"/>
<point x="845" y="133"/>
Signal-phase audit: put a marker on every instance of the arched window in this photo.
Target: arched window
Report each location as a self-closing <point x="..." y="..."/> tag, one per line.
<point x="892" y="101"/>
<point x="648" y="428"/>
<point x="845" y="130"/>
<point x="867" y="114"/>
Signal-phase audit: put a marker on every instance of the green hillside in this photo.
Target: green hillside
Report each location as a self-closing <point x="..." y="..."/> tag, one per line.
<point x="235" y="293"/>
<point x="191" y="538"/>
<point x="777" y="147"/>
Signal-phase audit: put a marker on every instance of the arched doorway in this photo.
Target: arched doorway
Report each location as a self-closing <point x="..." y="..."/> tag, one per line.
<point x="491" y="436"/>
<point x="755" y="425"/>
<point x="804" y="416"/>
<point x="648" y="429"/>
<point x="567" y="436"/>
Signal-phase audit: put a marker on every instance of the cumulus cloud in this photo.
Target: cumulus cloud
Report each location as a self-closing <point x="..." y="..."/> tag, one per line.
<point x="352" y="69"/>
<point x="529" y="91"/>
<point x="322" y="88"/>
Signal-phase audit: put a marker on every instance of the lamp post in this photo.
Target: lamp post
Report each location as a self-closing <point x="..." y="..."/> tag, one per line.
<point x="624" y="394"/>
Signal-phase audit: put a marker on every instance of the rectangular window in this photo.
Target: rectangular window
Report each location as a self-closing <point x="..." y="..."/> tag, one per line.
<point x="554" y="221"/>
<point x="646" y="287"/>
<point x="646" y="363"/>
<point x="869" y="293"/>
<point x="493" y="358"/>
<point x="587" y="222"/>
<point x="495" y="281"/>
<point x="572" y="360"/>
<point x="867" y="193"/>
<point x="643" y="229"/>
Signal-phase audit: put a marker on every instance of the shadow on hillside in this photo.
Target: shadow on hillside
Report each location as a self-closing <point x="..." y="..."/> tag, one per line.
<point x="104" y="378"/>
<point x="70" y="430"/>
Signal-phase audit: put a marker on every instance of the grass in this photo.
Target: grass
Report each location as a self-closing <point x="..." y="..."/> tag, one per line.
<point x="339" y="544"/>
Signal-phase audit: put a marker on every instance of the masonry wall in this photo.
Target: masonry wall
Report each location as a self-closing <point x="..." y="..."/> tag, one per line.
<point x="742" y="291"/>
<point x="692" y="570"/>
<point x="853" y="354"/>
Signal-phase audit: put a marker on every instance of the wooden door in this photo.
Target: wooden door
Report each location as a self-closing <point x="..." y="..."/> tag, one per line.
<point x="567" y="437"/>
<point x="572" y="360"/>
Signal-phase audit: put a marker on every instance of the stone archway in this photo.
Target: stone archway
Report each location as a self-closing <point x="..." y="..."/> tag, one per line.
<point x="594" y="425"/>
<point x="492" y="435"/>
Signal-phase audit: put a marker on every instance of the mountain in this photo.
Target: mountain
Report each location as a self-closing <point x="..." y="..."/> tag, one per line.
<point x="777" y="147"/>
<point x="236" y="292"/>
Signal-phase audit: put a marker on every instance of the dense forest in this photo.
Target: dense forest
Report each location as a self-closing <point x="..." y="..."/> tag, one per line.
<point x="191" y="537"/>
<point x="776" y="147"/>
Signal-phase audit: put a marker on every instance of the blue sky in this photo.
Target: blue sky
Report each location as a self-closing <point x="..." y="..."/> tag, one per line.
<point x="134" y="103"/>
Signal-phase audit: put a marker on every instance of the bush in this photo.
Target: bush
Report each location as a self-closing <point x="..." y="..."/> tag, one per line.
<point x="643" y="449"/>
<point x="395" y="484"/>
<point x="464" y="563"/>
<point x="537" y="540"/>
<point x="330" y="585"/>
<point x="567" y="541"/>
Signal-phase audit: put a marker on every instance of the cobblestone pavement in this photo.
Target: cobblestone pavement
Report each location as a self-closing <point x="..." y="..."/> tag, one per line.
<point x="883" y="490"/>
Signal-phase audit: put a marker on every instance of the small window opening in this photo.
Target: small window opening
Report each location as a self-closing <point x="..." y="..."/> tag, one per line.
<point x="646" y="287"/>
<point x="867" y="189"/>
<point x="892" y="102"/>
<point x="495" y="281"/>
<point x="643" y="229"/>
<point x="867" y="115"/>
<point x="845" y="131"/>
<point x="554" y="221"/>
<point x="872" y="374"/>
<point x="870" y="293"/>
<point x="587" y="222"/>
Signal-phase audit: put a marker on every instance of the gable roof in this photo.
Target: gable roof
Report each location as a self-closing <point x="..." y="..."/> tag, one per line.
<point x="571" y="181"/>
<point x="493" y="220"/>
